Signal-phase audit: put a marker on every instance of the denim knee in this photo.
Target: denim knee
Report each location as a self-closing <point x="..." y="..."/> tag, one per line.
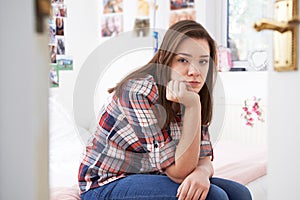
<point x="244" y="193"/>
<point x="216" y="192"/>
<point x="234" y="190"/>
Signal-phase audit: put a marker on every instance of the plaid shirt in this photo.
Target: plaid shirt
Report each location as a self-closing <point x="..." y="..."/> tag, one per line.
<point x="129" y="138"/>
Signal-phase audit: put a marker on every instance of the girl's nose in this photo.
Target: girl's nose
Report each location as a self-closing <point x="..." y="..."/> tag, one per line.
<point x="193" y="70"/>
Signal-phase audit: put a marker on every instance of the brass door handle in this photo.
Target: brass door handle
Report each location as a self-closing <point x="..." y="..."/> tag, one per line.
<point x="285" y="38"/>
<point x="266" y="24"/>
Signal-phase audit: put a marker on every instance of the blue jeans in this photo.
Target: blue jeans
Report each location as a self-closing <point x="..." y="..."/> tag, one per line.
<point x="160" y="187"/>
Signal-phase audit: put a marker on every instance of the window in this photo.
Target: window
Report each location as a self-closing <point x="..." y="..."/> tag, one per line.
<point x="245" y="42"/>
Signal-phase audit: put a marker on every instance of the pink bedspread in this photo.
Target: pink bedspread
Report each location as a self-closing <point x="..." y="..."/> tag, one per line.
<point x="241" y="163"/>
<point x="65" y="193"/>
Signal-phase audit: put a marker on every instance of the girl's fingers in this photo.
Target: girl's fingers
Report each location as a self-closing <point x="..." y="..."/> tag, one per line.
<point x="183" y="192"/>
<point x="176" y="91"/>
<point x="204" y="195"/>
<point x="170" y="91"/>
<point x="182" y="87"/>
<point x="179" y="191"/>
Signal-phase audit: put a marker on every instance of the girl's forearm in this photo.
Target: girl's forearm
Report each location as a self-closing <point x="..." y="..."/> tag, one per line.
<point x="188" y="148"/>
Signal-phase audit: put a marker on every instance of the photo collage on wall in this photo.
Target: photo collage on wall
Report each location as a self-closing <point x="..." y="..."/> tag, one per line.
<point x="59" y="59"/>
<point x="112" y="18"/>
<point x="181" y="10"/>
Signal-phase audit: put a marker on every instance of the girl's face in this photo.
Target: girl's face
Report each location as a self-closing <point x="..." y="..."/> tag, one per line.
<point x="191" y="63"/>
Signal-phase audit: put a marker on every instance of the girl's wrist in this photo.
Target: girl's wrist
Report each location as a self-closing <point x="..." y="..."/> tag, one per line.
<point x="196" y="104"/>
<point x="203" y="171"/>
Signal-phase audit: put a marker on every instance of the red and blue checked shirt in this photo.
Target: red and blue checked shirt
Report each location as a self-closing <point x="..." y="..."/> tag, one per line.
<point x="129" y="138"/>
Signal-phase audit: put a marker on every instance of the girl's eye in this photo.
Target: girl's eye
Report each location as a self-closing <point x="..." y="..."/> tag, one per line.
<point x="182" y="60"/>
<point x="203" y="62"/>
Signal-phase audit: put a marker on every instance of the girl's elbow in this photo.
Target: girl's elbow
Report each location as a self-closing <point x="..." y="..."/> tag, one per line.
<point x="176" y="178"/>
<point x="178" y="174"/>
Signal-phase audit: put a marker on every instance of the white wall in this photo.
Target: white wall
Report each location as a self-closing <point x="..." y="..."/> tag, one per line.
<point x="83" y="36"/>
<point x="23" y="104"/>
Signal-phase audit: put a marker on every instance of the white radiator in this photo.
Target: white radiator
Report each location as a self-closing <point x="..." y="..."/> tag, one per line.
<point x="231" y="90"/>
<point x="234" y="127"/>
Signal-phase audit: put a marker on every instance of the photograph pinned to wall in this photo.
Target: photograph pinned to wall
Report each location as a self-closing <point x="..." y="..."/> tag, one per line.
<point x="177" y="16"/>
<point x="59" y="10"/>
<point x="181" y="4"/>
<point x="64" y="62"/>
<point x="112" y="6"/>
<point x="52" y="34"/>
<point x="142" y="18"/>
<point x="141" y="27"/>
<point x="53" y="53"/>
<point x="53" y="76"/>
<point x="59" y="22"/>
<point x="144" y="8"/>
<point x="61" y="50"/>
<point x="112" y="25"/>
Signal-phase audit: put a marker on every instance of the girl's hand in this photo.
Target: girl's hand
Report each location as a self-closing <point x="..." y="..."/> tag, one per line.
<point x="195" y="186"/>
<point x="178" y="91"/>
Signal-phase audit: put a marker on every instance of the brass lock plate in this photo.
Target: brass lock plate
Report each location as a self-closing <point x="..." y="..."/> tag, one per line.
<point x="286" y="44"/>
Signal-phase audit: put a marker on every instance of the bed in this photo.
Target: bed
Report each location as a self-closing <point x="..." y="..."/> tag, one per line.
<point x="244" y="163"/>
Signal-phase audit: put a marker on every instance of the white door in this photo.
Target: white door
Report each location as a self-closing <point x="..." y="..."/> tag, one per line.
<point x="284" y="134"/>
<point x="23" y="104"/>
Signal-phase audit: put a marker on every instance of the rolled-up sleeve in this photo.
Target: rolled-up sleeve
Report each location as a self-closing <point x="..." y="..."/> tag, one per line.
<point x="205" y="145"/>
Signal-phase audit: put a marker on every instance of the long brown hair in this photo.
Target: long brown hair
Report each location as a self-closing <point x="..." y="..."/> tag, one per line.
<point x="159" y="68"/>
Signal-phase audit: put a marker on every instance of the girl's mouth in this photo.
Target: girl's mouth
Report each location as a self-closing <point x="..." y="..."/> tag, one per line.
<point x="194" y="84"/>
